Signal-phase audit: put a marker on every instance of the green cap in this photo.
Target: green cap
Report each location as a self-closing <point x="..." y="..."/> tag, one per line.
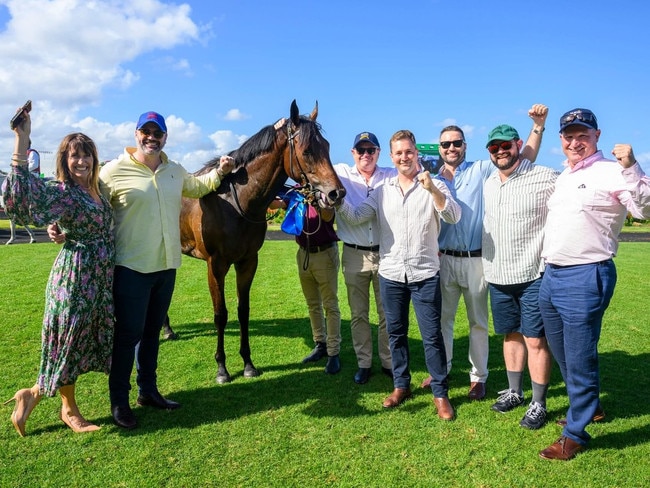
<point x="502" y="132"/>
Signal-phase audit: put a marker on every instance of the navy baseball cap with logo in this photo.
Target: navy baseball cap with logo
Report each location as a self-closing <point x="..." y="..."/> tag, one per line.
<point x="366" y="137"/>
<point x="579" y="116"/>
<point x="154" y="117"/>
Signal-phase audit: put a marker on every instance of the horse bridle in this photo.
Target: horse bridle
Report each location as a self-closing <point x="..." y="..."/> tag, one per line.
<point x="305" y="188"/>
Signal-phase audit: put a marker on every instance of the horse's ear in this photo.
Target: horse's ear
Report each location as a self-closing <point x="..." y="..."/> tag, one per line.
<point x="314" y="113"/>
<point x="295" y="114"/>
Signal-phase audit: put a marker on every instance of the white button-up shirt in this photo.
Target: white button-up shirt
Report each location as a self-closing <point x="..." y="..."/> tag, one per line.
<point x="409" y="225"/>
<point x="357" y="190"/>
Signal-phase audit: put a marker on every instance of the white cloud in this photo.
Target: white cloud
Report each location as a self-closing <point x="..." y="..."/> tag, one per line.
<point x="226" y="140"/>
<point x="235" y="114"/>
<point x="65" y="53"/>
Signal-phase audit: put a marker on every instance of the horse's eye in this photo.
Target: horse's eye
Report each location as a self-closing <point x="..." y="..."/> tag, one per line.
<point x="307" y="152"/>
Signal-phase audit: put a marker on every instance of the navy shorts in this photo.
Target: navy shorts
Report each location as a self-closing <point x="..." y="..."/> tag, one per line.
<point x="515" y="308"/>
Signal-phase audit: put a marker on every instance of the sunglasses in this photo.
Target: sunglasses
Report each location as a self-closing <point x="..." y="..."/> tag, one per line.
<point x="505" y="145"/>
<point x="447" y="144"/>
<point x="586" y="117"/>
<point x="363" y="150"/>
<point x="158" y="134"/>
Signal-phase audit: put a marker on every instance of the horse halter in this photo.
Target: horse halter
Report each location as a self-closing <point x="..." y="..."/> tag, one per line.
<point x="292" y="155"/>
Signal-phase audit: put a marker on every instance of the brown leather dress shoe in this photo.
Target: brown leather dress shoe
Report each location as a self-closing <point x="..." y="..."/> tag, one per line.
<point x="399" y="396"/>
<point x="426" y="383"/>
<point x="599" y="416"/>
<point x="445" y="410"/>
<point x="562" y="449"/>
<point x="476" y="391"/>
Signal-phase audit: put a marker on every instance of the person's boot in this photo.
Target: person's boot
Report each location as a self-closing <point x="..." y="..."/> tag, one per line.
<point x="319" y="352"/>
<point x="333" y="365"/>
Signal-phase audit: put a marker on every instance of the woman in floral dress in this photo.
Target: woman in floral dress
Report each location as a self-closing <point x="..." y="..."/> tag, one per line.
<point x="77" y="335"/>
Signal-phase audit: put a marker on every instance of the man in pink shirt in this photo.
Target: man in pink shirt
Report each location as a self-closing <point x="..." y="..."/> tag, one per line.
<point x="586" y="213"/>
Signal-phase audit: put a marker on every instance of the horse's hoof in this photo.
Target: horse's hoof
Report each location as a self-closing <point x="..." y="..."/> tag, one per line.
<point x="222" y="379"/>
<point x="170" y="336"/>
<point x="251" y="372"/>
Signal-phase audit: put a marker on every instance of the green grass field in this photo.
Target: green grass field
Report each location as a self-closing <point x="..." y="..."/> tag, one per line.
<point x="297" y="426"/>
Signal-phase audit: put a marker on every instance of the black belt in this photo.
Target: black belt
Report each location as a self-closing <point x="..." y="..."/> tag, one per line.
<point x="315" y="249"/>
<point x="362" y="248"/>
<point x="462" y="254"/>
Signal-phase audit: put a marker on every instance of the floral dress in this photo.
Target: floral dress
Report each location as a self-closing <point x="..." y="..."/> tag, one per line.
<point x="78" y="323"/>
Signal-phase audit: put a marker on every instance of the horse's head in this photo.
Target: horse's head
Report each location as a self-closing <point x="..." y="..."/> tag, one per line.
<point x="307" y="158"/>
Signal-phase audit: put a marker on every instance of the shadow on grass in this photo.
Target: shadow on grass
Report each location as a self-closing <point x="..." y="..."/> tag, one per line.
<point x="290" y="383"/>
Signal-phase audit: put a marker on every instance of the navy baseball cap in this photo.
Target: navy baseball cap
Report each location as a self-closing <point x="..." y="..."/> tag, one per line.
<point x="154" y="117"/>
<point x="579" y="116"/>
<point x="366" y="137"/>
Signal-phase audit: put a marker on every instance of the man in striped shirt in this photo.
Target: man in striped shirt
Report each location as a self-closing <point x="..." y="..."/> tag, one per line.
<point x="408" y="208"/>
<point x="513" y="231"/>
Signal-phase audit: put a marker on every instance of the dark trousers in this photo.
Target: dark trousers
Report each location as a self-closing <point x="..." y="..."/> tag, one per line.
<point x="427" y="299"/>
<point x="141" y="304"/>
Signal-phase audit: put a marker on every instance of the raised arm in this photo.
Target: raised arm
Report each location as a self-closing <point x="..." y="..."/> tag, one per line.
<point x="538" y="114"/>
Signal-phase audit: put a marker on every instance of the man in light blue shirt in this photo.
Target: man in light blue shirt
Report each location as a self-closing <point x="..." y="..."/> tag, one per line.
<point x="461" y="269"/>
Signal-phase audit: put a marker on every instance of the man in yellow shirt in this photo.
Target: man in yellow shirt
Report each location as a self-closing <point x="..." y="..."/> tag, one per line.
<point x="145" y="189"/>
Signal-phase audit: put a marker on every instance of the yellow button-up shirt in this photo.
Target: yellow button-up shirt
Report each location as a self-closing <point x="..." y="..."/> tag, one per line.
<point x="147" y="207"/>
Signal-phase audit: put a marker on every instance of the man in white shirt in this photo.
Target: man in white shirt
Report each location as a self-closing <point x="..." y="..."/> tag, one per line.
<point x="360" y="256"/>
<point x="409" y="208"/>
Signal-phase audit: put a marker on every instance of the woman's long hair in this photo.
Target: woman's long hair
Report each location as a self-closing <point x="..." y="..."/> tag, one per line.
<point x="81" y="144"/>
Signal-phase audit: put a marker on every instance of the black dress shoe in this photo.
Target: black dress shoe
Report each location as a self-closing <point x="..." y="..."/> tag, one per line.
<point x="333" y="365"/>
<point x="362" y="376"/>
<point x="319" y="352"/>
<point x="156" y="400"/>
<point x="123" y="417"/>
<point x="387" y="371"/>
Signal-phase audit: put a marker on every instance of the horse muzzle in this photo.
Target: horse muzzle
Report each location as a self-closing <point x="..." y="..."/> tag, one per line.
<point x="331" y="198"/>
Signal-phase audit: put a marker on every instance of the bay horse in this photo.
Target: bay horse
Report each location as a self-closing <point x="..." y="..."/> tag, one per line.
<point x="227" y="227"/>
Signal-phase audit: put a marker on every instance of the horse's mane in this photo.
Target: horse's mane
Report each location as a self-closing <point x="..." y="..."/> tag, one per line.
<point x="264" y="141"/>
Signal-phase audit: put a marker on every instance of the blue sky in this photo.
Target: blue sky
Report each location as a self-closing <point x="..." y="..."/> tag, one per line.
<point x="220" y="70"/>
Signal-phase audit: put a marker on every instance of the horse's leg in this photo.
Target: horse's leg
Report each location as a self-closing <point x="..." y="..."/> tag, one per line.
<point x="168" y="332"/>
<point x="245" y="274"/>
<point x="216" y="279"/>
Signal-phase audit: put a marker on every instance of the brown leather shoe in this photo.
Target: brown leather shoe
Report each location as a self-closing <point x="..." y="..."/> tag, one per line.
<point x="562" y="449"/>
<point x="399" y="396"/>
<point x="599" y="416"/>
<point x="427" y="382"/>
<point x="476" y="391"/>
<point x="445" y="410"/>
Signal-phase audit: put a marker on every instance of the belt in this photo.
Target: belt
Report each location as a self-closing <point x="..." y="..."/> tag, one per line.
<point x="362" y="248"/>
<point x="462" y="254"/>
<point x="315" y="249"/>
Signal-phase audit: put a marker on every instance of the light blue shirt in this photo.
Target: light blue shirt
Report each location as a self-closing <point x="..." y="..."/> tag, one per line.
<point x="467" y="190"/>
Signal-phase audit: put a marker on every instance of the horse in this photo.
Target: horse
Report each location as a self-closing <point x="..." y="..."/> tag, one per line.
<point x="227" y="227"/>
